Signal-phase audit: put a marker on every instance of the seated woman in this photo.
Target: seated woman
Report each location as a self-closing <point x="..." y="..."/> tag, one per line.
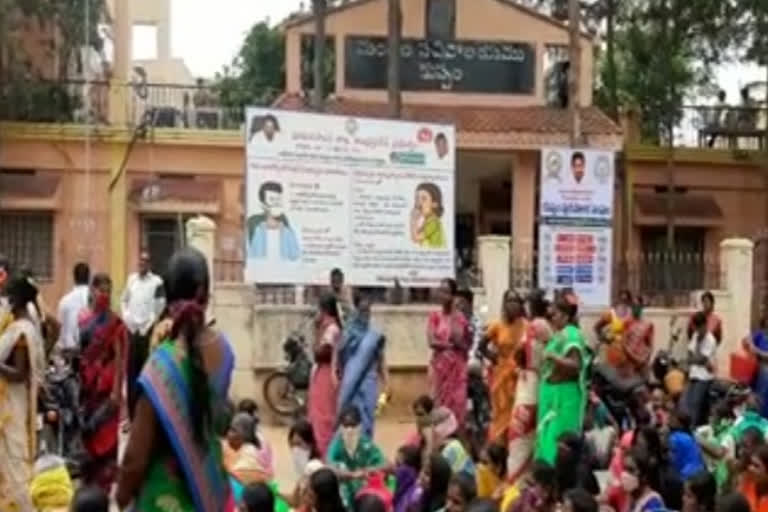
<point x="247" y="458"/>
<point x="637" y="481"/>
<point x="353" y="456"/>
<point x="448" y="444"/>
<point x="407" y="470"/>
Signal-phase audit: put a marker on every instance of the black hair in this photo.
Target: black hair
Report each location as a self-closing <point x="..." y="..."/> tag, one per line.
<point x="360" y="295"/>
<point x="466" y="485"/>
<point x="187" y="289"/>
<point x="753" y="434"/>
<point x="707" y="295"/>
<point x="337" y="272"/>
<point x="329" y="305"/>
<point x="645" y="466"/>
<point x="704" y="487"/>
<point x="440" y="478"/>
<point x="441" y="136"/>
<point x="452" y="286"/>
<point x="581" y="500"/>
<point x="100" y="280"/>
<point x="325" y="484"/>
<point x="733" y="502"/>
<point x="569" y="309"/>
<point x="466" y="294"/>
<point x="538" y="304"/>
<point x="258" y="497"/>
<point x="249" y="406"/>
<point x="81" y="273"/>
<point x="270" y="117"/>
<point x="351" y="413"/>
<point x="699" y="319"/>
<point x="21" y="291"/>
<point x="411" y="456"/>
<point x="90" y="499"/>
<point x="425" y="403"/>
<point x="626" y="293"/>
<point x="483" y="505"/>
<point x="543" y="473"/>
<point x="497" y="455"/>
<point x="269" y="186"/>
<point x="435" y="194"/>
<point x="303" y="429"/>
<point x="578" y="155"/>
<point x="683" y="420"/>
<point x="369" y="503"/>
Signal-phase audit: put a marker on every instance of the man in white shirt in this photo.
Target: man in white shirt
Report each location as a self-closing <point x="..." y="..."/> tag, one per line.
<point x="701" y="367"/>
<point x="140" y="308"/>
<point x="70" y="307"/>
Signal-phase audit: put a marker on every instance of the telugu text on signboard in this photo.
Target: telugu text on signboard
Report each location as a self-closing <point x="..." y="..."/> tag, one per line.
<point x="372" y="197"/>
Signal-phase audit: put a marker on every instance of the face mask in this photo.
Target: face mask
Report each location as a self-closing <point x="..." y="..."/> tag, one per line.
<point x="100" y="301"/>
<point x="629" y="481"/>
<point x="300" y="460"/>
<point x="351" y="438"/>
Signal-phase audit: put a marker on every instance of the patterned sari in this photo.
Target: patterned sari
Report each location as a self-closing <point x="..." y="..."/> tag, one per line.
<point x="18" y="417"/>
<point x="506" y="339"/>
<point x="561" y="404"/>
<point x="366" y="456"/>
<point x="103" y="337"/>
<point x="322" y="392"/>
<point x="188" y="477"/>
<point x="448" y="367"/>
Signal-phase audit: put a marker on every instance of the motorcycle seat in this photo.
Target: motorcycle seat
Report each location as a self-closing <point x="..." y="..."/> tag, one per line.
<point x="624" y="385"/>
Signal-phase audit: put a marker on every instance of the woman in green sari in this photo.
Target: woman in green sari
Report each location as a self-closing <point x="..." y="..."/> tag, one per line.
<point x="562" y="389"/>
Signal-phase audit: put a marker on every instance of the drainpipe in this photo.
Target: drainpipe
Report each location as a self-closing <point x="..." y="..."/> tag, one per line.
<point x="118" y="103"/>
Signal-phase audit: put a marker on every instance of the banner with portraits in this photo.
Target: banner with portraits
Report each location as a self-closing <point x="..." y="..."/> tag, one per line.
<point x="576" y="208"/>
<point x="372" y="197"/>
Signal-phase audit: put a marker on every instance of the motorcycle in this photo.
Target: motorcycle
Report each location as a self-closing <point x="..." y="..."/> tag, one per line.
<point x="617" y="392"/>
<point x="58" y="419"/>
<point x="285" y="390"/>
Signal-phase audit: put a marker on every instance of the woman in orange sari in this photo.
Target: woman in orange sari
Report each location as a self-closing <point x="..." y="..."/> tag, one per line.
<point x="501" y="343"/>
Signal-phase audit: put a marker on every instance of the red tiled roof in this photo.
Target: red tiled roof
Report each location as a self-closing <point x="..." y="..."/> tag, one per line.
<point x="470" y="119"/>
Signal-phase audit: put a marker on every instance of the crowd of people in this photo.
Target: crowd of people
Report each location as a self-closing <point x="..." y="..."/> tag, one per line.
<point x="510" y="422"/>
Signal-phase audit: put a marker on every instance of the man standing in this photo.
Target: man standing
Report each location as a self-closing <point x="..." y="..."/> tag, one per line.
<point x="140" y="309"/>
<point x="70" y="307"/>
<point x="342" y="294"/>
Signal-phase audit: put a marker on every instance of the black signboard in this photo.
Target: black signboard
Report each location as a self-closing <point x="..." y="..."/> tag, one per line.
<point x="499" y="67"/>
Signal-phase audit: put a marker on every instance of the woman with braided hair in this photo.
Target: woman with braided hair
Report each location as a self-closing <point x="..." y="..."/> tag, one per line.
<point x="173" y="460"/>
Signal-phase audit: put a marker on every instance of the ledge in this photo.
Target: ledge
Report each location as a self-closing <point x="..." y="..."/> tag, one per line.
<point x="705" y="156"/>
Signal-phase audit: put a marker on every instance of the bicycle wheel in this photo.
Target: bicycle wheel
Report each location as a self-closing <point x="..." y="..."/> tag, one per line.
<point x="280" y="395"/>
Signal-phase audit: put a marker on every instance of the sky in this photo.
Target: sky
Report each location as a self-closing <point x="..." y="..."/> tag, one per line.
<point x="207" y="34"/>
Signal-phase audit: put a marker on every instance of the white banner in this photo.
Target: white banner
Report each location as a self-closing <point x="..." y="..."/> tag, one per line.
<point x="579" y="258"/>
<point x="577" y="184"/>
<point x="372" y="197"/>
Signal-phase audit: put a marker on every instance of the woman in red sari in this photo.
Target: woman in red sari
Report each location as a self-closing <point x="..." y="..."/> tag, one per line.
<point x="103" y="342"/>
<point x="324" y="384"/>
<point x="449" y="338"/>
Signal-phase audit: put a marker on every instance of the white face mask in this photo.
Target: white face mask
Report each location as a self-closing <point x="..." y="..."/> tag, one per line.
<point x="300" y="459"/>
<point x="351" y="438"/>
<point x="629" y="482"/>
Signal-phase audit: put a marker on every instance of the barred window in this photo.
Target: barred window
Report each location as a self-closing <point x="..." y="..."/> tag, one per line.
<point x="27" y="240"/>
<point x="441" y="19"/>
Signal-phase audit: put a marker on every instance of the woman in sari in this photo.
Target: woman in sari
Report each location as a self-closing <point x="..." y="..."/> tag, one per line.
<point x="103" y="342"/>
<point x="362" y="362"/>
<point x="449" y="338"/>
<point x="521" y="436"/>
<point x="610" y="330"/>
<point x="173" y="458"/>
<point x="562" y="388"/>
<point x="324" y="383"/>
<point x="505" y="338"/>
<point x="22" y="366"/>
<point x="247" y="458"/>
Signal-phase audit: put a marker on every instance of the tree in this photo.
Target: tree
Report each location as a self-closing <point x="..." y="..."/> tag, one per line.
<point x="394" y="36"/>
<point x="257" y="75"/>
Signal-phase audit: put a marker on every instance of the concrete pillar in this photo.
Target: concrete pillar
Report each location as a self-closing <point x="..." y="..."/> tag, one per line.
<point x="523" y="208"/>
<point x="736" y="256"/>
<point x="494" y="265"/>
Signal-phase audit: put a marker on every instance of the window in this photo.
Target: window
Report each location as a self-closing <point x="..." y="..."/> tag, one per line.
<point x="685" y="267"/>
<point x="27" y="240"/>
<point x="441" y="19"/>
<point x="162" y="236"/>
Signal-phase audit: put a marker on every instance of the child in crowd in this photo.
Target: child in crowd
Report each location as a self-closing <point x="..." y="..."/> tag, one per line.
<point x="90" y="499"/>
<point x="539" y="493"/>
<point x="461" y="492"/>
<point x="491" y="470"/>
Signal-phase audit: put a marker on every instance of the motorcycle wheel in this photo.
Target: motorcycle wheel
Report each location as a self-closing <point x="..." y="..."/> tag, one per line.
<point x="280" y="395"/>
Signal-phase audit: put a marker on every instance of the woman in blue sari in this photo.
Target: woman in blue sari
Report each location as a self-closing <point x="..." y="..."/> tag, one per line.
<point x="759" y="348"/>
<point x="173" y="459"/>
<point x="362" y="364"/>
